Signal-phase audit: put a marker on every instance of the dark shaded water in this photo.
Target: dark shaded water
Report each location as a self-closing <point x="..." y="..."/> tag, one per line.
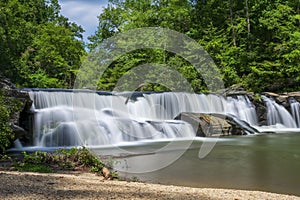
<point x="268" y="162"/>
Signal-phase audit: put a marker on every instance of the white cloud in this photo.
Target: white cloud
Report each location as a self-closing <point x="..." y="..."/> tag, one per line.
<point x="84" y="13"/>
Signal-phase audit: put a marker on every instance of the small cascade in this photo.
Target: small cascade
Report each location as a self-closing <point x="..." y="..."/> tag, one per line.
<point x="243" y="109"/>
<point x="295" y="110"/>
<point x="278" y="115"/>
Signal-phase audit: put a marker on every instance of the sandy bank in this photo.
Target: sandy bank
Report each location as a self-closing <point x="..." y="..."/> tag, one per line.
<point x="25" y="185"/>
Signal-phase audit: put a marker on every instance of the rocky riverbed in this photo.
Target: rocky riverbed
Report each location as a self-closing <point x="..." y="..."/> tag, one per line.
<point x="78" y="185"/>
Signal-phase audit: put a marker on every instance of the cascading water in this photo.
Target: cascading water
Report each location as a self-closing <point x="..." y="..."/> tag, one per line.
<point x="87" y="118"/>
<point x="295" y="109"/>
<point x="169" y="105"/>
<point x="67" y="119"/>
<point x="243" y="109"/>
<point x="278" y="115"/>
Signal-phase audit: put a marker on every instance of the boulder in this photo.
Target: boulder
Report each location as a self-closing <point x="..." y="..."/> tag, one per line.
<point x="215" y="124"/>
<point x="204" y="124"/>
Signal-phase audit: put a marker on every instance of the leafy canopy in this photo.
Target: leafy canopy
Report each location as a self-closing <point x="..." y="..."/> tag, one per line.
<point x="253" y="43"/>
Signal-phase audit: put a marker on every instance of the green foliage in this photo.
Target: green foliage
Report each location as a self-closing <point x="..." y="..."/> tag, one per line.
<point x="79" y="157"/>
<point x="253" y="43"/>
<point x="5" y="130"/>
<point x="52" y="59"/>
<point x="35" y="162"/>
<point x="8" y="106"/>
<point x="156" y="69"/>
<point x="38" y="46"/>
<point x="35" y="158"/>
<point x="5" y="158"/>
<point x="62" y="159"/>
<point x="258" y="97"/>
<point x="28" y="167"/>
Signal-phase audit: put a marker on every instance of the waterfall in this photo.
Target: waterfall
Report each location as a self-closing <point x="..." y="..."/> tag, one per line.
<point x="86" y="118"/>
<point x="169" y="105"/>
<point x="89" y="118"/>
<point x="277" y="114"/>
<point x="295" y="109"/>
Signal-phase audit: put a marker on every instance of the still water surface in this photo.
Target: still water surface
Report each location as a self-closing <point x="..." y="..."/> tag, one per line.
<point x="269" y="162"/>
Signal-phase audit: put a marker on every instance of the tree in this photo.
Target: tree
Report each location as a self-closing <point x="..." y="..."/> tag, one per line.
<point x="254" y="43"/>
<point x="53" y="58"/>
<point x="37" y="42"/>
<point x="275" y="67"/>
<point x="125" y="15"/>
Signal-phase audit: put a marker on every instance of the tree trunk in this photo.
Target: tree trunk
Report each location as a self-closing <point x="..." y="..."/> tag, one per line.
<point x="231" y="21"/>
<point x="248" y="23"/>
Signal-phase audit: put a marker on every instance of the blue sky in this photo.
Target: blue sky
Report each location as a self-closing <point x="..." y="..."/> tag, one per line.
<point x="84" y="13"/>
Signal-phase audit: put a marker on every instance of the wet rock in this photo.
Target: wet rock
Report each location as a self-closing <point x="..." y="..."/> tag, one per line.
<point x="6" y="84"/>
<point x="260" y="108"/>
<point x="19" y="132"/>
<point x="294" y="95"/>
<point x="282" y="98"/>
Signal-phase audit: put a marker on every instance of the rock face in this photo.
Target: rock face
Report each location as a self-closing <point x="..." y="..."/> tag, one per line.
<point x="215" y="124"/>
<point x="19" y="117"/>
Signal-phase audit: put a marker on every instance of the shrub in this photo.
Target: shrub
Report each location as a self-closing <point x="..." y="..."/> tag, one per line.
<point x="62" y="159"/>
<point x="9" y="106"/>
<point x="6" y="135"/>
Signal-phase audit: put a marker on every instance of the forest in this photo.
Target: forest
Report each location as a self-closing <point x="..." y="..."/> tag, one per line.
<point x="254" y="43"/>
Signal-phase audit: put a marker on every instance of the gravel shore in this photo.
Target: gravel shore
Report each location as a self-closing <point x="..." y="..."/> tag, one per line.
<point x="78" y="185"/>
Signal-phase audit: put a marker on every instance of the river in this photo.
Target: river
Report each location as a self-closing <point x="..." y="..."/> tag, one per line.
<point x="268" y="162"/>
